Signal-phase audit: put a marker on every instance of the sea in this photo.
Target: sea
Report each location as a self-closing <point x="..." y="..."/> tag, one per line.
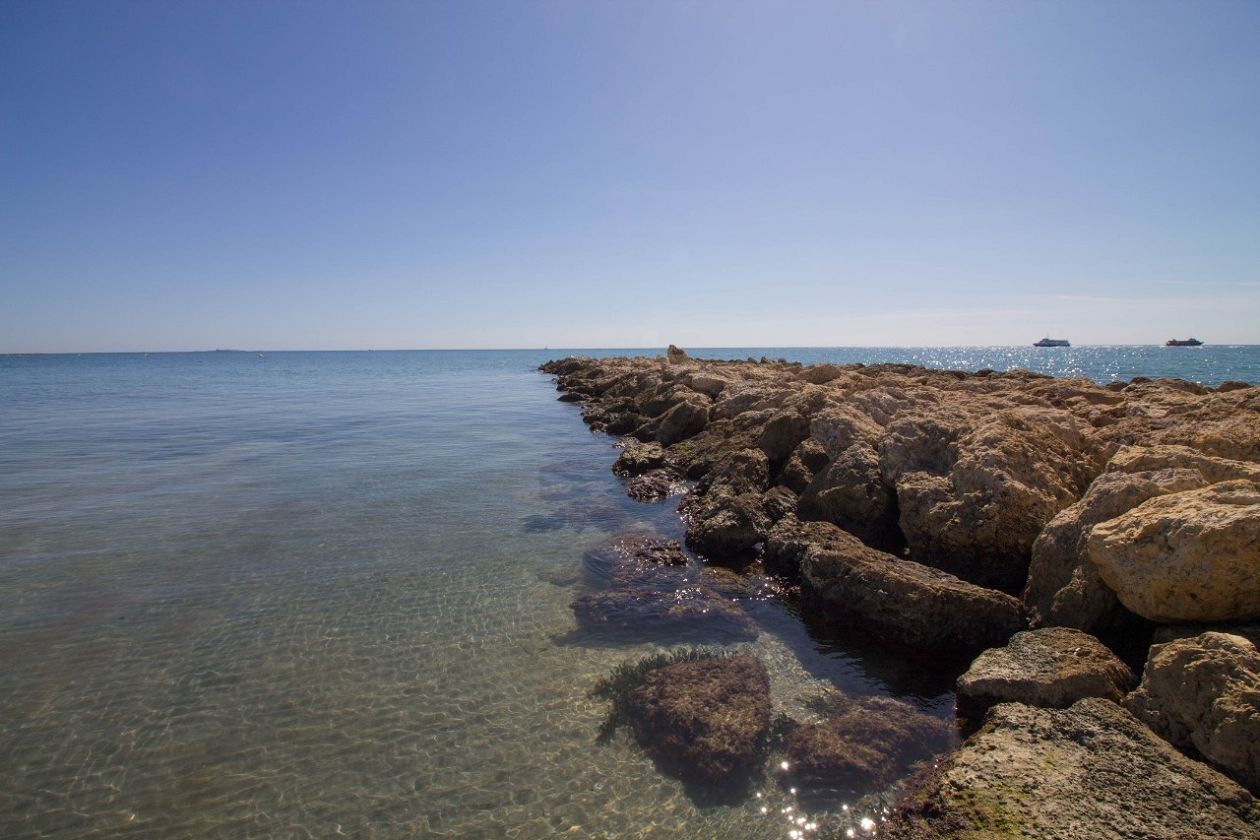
<point x="326" y="594"/>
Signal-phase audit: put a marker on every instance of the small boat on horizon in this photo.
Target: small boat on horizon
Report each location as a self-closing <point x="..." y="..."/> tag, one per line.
<point x="1177" y="342"/>
<point x="1053" y="342"/>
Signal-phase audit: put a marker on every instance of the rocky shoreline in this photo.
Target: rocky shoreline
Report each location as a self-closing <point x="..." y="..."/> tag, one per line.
<point x="1048" y="540"/>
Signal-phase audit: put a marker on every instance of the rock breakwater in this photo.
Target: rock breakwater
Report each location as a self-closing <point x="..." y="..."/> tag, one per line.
<point x="939" y="513"/>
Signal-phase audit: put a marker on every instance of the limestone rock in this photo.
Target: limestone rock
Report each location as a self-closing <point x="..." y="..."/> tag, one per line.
<point x="851" y="493"/>
<point x="1172" y="632"/>
<point x="864" y="745"/>
<point x="975" y="493"/>
<point x="1232" y="385"/>
<point x="1089" y="771"/>
<point x="1063" y="585"/>
<point x="802" y="465"/>
<point x="653" y="486"/>
<point x="1135" y="459"/>
<point x="820" y="374"/>
<point x="782" y="433"/>
<point x="706" y="383"/>
<point x="849" y="587"/>
<point x="682" y="421"/>
<point x="742" y="471"/>
<point x="637" y="458"/>
<point x="677" y="355"/>
<point x="1052" y="668"/>
<point x="1184" y="557"/>
<point x="707" y="719"/>
<point x="1203" y="694"/>
<point x="727" y="526"/>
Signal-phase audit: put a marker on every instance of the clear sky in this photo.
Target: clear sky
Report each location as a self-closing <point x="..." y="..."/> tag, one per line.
<point x="304" y="175"/>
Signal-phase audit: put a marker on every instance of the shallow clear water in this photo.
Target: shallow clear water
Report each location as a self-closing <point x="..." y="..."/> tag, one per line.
<point x="323" y="593"/>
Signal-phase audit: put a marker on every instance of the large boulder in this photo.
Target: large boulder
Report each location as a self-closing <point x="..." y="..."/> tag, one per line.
<point x="1185" y="557"/>
<point x="682" y="421"/>
<point x="1052" y="668"/>
<point x="706" y="719"/>
<point x="975" y="491"/>
<point x="1136" y="459"/>
<point x="864" y="745"/>
<point x="848" y="587"/>
<point x="741" y="471"/>
<point x="782" y="433"/>
<point x="1063" y="585"/>
<point x="803" y="464"/>
<point x="637" y="458"/>
<point x="1202" y="694"/>
<point x="1089" y="771"/>
<point x="851" y="493"/>
<point x="726" y="527"/>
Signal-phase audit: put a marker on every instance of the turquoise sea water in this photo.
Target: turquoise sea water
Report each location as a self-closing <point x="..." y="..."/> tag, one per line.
<point x="323" y="594"/>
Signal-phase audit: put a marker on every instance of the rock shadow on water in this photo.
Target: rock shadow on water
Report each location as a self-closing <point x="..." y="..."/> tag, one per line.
<point x="854" y="661"/>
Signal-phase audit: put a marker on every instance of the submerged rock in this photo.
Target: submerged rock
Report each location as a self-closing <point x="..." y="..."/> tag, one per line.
<point x="864" y="745"/>
<point x="641" y="613"/>
<point x="1089" y="771"/>
<point x="634" y="559"/>
<point x="1052" y="668"/>
<point x="650" y="590"/>
<point x="1202" y="694"/>
<point x="1185" y="557"/>
<point x="706" y="719"/>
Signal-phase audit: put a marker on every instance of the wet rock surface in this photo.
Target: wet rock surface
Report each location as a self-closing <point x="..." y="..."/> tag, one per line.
<point x="646" y="587"/>
<point x="1202" y="694"/>
<point x="849" y="587"/>
<point x="691" y="612"/>
<point x="1089" y="771"/>
<point x="863" y="744"/>
<point x="1051" y="668"/>
<point x="707" y="719"/>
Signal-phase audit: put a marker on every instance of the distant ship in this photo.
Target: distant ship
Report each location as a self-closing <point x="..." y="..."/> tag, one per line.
<point x="1053" y="342"/>
<point x="1189" y="342"/>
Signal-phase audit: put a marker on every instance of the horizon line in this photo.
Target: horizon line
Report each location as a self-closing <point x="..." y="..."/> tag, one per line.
<point x="548" y="348"/>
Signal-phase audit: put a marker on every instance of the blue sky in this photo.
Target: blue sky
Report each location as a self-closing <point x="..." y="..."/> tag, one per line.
<point x="301" y="175"/>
